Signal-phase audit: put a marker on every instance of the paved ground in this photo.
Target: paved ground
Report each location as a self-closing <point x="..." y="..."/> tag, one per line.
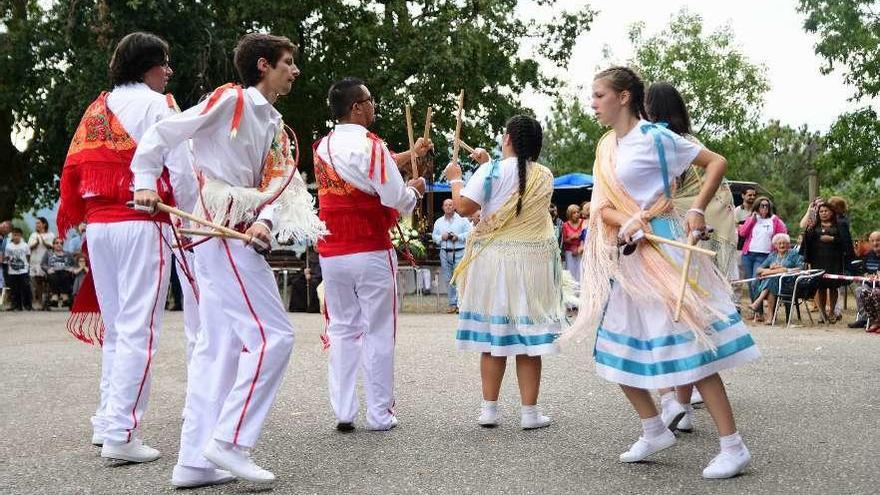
<point x="808" y="411"/>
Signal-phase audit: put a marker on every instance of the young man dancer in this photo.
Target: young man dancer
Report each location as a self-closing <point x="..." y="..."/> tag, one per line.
<point x="361" y="193"/>
<point x="242" y="152"/>
<point x="128" y="249"/>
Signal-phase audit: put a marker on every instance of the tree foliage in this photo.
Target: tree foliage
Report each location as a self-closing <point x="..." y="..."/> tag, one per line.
<point x="570" y="137"/>
<point x="420" y="52"/>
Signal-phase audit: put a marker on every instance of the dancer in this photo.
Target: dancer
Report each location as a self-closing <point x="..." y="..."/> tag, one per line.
<point x="242" y="153"/>
<point x="128" y="249"/>
<point x="361" y="194"/>
<point x="510" y="277"/>
<point x="633" y="298"/>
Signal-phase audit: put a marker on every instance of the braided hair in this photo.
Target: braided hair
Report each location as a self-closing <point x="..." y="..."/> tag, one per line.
<point x="526" y="137"/>
<point x="625" y="79"/>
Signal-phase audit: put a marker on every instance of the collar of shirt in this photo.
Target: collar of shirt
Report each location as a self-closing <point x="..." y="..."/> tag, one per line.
<point x="133" y="87"/>
<point x="350" y="128"/>
<point x="261" y="102"/>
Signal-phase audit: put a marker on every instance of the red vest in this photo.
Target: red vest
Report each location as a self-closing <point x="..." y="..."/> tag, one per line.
<point x="98" y="165"/>
<point x="358" y="222"/>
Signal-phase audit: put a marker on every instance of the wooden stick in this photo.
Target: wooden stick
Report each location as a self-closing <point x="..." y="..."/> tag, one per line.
<point x="427" y="134"/>
<point x="682" y="285"/>
<point x="202" y="233"/>
<point x="231" y="234"/>
<point x="465" y="146"/>
<point x="412" y="144"/>
<point x="456" y="142"/>
<point x="688" y="247"/>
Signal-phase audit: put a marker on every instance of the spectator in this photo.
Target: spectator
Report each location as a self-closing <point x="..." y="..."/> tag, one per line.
<point x="557" y="223"/>
<point x="17" y="255"/>
<point x="450" y="234"/>
<point x="758" y="230"/>
<point x="823" y="249"/>
<point x="304" y="285"/>
<point x="5" y="228"/>
<point x="869" y="266"/>
<point x="840" y="207"/>
<point x="58" y="266"/>
<point x="79" y="272"/>
<point x="780" y="261"/>
<point x="75" y="237"/>
<point x="740" y="214"/>
<point x="40" y="243"/>
<point x="572" y="242"/>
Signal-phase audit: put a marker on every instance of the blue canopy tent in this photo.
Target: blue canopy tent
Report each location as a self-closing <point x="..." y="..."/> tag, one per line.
<point x="574" y="188"/>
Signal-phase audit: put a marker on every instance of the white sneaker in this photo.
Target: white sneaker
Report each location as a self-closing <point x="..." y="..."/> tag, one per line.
<point x="687" y="422"/>
<point x="696" y="398"/>
<point x="671" y="413"/>
<point x="727" y="465"/>
<point x="393" y="424"/>
<point x="97" y="439"/>
<point x="237" y="461"/>
<point x="191" y="477"/>
<point x="644" y="447"/>
<point x="533" y="419"/>
<point x="133" y="451"/>
<point x="489" y="417"/>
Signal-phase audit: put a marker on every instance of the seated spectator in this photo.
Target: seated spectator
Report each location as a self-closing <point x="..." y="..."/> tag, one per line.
<point x="58" y="266"/>
<point x="870" y="264"/>
<point x="79" y="272"/>
<point x="75" y="237"/>
<point x="778" y="262"/>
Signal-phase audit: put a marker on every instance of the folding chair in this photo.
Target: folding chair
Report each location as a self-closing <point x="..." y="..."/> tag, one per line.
<point x="804" y="287"/>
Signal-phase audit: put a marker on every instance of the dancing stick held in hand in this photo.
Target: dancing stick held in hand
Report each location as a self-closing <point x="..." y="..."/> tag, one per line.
<point x="232" y="234"/>
<point x="456" y="143"/>
<point x="412" y="144"/>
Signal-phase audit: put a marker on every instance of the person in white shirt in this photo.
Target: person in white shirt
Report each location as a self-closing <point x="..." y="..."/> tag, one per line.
<point x="128" y="250"/>
<point x="361" y="194"/>
<point x="40" y="243"/>
<point x="246" y="340"/>
<point x="450" y="234"/>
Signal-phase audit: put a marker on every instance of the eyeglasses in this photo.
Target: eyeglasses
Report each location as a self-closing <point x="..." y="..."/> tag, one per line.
<point x="368" y="99"/>
<point x="763" y="205"/>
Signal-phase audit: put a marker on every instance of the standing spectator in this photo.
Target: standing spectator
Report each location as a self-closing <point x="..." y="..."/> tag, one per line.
<point x="79" y="272"/>
<point x="40" y="243"/>
<point x="5" y="228"/>
<point x="758" y="231"/>
<point x="740" y="214"/>
<point x="17" y="255"/>
<point x="572" y="241"/>
<point x="557" y="224"/>
<point x="870" y="266"/>
<point x="823" y="249"/>
<point x="75" y="238"/>
<point x="840" y="207"/>
<point x="58" y="266"/>
<point x="450" y="233"/>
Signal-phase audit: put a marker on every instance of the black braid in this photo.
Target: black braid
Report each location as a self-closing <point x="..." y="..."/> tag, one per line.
<point x="526" y="137"/>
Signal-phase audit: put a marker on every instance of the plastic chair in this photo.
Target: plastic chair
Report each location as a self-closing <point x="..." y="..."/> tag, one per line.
<point x="804" y="287"/>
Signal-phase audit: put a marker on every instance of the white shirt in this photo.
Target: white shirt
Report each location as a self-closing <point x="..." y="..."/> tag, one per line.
<point x="458" y="225"/>
<point x="235" y="161"/>
<point x="503" y="186"/>
<point x="352" y="151"/>
<point x="38" y="249"/>
<point x="740" y="214"/>
<point x="762" y="235"/>
<point x="138" y="107"/>
<point x="16" y="256"/>
<point x="638" y="162"/>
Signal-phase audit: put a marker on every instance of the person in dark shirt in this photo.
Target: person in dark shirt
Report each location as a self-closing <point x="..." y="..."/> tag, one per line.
<point x="870" y="265"/>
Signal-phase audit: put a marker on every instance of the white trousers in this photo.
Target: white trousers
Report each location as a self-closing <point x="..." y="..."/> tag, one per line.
<point x="360" y="293"/>
<point x="191" y="320"/>
<point x="131" y="267"/>
<point x="241" y="353"/>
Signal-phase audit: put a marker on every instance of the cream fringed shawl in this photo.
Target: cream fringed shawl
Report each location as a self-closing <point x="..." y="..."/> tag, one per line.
<point x="517" y="251"/>
<point x="649" y="274"/>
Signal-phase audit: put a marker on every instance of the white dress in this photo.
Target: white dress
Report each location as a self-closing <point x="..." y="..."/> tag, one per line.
<point x="638" y="343"/>
<point x="494" y="310"/>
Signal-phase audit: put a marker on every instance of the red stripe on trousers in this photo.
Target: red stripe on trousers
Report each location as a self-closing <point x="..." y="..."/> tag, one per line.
<point x="150" y="341"/>
<point x="247" y="301"/>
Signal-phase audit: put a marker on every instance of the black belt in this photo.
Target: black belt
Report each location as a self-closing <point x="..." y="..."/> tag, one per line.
<point x="452" y="250"/>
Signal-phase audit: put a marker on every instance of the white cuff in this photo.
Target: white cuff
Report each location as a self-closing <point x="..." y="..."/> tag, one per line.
<point x="145" y="181"/>
<point x="268" y="213"/>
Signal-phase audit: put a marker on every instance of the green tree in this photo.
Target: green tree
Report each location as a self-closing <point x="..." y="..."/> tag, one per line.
<point x="420" y="52"/>
<point x="570" y="138"/>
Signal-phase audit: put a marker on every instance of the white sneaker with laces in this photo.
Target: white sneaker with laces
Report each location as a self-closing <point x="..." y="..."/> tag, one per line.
<point x="671" y="413"/>
<point x="643" y="447"/>
<point x="133" y="451"/>
<point x="237" y="461"/>
<point x="191" y="477"/>
<point x="489" y="417"/>
<point x="727" y="465"/>
<point x="687" y="422"/>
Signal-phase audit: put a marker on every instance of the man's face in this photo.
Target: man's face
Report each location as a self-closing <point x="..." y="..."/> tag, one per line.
<point x="448" y="207"/>
<point x="553" y="211"/>
<point x="875" y="242"/>
<point x="281" y="77"/>
<point x="364" y="108"/>
<point x="749" y="196"/>
<point x="5" y="227"/>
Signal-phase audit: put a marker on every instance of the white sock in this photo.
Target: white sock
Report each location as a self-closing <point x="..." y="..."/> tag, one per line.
<point x="490" y="404"/>
<point x="732" y="444"/>
<point x="653" y="427"/>
<point x="529" y="410"/>
<point x="668" y="396"/>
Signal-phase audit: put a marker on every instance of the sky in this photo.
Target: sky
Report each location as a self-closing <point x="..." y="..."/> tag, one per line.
<point x="769" y="32"/>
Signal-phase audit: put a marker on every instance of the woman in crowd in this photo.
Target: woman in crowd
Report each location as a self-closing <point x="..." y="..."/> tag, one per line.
<point x="641" y="343"/>
<point x="823" y="249"/>
<point x="40" y="243"/>
<point x="510" y="294"/>
<point x="758" y="231"/>
<point x="58" y="266"/>
<point x="780" y="261"/>
<point x="572" y="241"/>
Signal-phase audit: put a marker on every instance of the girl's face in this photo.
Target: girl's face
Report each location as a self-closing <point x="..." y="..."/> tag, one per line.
<point x="574" y="215"/>
<point x="764" y="209"/>
<point x="607" y="103"/>
<point x="41" y="226"/>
